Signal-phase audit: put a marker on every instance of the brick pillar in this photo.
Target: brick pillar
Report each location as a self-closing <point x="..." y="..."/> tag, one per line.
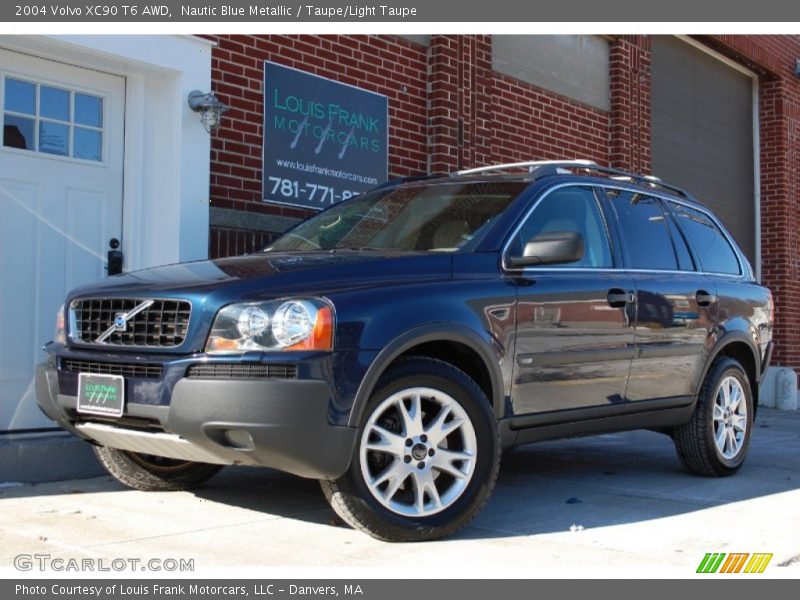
<point x="629" y="66"/>
<point x="459" y="101"/>
<point x="779" y="114"/>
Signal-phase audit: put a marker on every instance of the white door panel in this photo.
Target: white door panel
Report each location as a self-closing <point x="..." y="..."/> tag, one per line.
<point x="60" y="203"/>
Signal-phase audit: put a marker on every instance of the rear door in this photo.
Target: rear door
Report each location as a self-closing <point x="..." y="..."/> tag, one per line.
<point x="676" y="304"/>
<point x="719" y="262"/>
<point x="574" y="336"/>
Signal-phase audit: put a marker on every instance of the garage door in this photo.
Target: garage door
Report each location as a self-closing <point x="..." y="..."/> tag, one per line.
<point x="60" y="203"/>
<point x="702" y="134"/>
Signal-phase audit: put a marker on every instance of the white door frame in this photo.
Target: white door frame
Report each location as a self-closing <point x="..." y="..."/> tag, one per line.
<point x="167" y="151"/>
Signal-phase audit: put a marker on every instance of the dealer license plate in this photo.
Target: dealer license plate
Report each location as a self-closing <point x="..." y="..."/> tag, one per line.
<point x="101" y="394"/>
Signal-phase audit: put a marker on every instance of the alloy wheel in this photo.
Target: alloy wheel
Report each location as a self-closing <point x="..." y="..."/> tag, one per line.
<point x="418" y="452"/>
<point x="730" y="417"/>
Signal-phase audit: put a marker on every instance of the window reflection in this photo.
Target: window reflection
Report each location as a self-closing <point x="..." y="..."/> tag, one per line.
<point x="18" y="132"/>
<point x="53" y="138"/>
<point x="54" y="103"/>
<point x="52" y="120"/>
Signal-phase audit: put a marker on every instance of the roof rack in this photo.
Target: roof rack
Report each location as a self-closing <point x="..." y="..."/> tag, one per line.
<point x="544" y="168"/>
<point x="532" y="165"/>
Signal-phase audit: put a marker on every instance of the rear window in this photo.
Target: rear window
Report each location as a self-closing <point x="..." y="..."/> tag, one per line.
<point x="712" y="247"/>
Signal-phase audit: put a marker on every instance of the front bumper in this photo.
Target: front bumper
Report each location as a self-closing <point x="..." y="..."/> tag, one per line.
<point x="283" y="424"/>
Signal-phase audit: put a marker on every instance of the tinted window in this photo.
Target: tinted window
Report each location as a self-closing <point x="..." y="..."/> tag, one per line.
<point x="569" y="209"/>
<point x="685" y="261"/>
<point x="645" y="231"/>
<point x="714" y="251"/>
<point x="441" y="217"/>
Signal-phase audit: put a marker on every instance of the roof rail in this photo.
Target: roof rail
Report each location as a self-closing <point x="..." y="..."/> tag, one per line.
<point x="531" y="164"/>
<point x="543" y="168"/>
<point x="645" y="180"/>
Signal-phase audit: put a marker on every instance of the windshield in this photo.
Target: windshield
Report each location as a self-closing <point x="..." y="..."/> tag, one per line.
<point x="421" y="217"/>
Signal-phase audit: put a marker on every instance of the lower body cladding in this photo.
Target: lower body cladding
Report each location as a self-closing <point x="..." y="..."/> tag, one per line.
<point x="272" y="423"/>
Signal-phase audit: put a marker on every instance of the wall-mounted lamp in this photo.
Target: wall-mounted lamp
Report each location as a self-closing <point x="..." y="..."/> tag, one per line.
<point x="797" y="67"/>
<point x="210" y="109"/>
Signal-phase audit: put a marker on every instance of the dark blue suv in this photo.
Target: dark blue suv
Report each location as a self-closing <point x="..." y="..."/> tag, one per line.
<point x="395" y="344"/>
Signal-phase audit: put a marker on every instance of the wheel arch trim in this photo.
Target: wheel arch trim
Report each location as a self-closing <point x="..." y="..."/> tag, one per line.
<point x="434" y="332"/>
<point x="722" y="343"/>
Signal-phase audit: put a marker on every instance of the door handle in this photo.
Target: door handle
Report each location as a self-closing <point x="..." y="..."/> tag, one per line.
<point x="115" y="258"/>
<point x="618" y="298"/>
<point x="704" y="298"/>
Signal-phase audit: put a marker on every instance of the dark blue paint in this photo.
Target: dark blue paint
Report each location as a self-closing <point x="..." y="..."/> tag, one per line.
<point x="381" y="297"/>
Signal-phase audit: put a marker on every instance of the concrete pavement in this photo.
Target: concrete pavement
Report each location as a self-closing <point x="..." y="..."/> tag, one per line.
<point x="619" y="502"/>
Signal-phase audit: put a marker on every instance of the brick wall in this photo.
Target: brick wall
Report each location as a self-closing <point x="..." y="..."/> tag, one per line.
<point x="390" y="66"/>
<point x="448" y="109"/>
<point x="773" y="57"/>
<point x="531" y="123"/>
<point x="460" y="102"/>
<point x="629" y="142"/>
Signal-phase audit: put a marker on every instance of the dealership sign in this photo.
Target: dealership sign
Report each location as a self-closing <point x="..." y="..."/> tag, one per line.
<point x="324" y="141"/>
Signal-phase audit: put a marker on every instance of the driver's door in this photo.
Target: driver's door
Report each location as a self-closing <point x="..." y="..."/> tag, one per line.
<point x="574" y="335"/>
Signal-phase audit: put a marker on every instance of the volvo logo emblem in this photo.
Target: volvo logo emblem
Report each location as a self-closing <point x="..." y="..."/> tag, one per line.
<point x="419" y="452"/>
<point x="120" y="322"/>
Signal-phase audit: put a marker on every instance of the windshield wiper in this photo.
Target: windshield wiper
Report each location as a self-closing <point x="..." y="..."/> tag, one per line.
<point x="371" y="248"/>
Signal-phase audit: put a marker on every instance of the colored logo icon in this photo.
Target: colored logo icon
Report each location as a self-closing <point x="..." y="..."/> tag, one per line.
<point x="736" y="562"/>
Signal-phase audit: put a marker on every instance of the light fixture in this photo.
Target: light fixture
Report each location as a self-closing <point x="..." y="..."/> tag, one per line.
<point x="209" y="107"/>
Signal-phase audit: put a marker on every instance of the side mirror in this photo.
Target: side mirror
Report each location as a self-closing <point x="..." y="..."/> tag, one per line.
<point x="556" y="247"/>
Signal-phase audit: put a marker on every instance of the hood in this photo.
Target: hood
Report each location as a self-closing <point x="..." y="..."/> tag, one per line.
<point x="267" y="274"/>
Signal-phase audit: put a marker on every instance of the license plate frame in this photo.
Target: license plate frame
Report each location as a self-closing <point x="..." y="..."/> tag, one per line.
<point x="100" y="394"/>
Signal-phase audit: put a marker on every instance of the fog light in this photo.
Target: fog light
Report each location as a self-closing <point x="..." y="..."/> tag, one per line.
<point x="240" y="439"/>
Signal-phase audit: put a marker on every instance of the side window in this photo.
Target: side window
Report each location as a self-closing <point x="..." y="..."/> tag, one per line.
<point x="685" y="261"/>
<point x="570" y="209"/>
<point x="713" y="249"/>
<point x="645" y="231"/>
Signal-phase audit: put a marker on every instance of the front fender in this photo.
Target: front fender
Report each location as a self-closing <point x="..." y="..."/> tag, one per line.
<point x="483" y="345"/>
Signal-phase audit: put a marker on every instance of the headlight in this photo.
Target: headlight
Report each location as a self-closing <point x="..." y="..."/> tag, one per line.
<point x="302" y="324"/>
<point x="60" y="335"/>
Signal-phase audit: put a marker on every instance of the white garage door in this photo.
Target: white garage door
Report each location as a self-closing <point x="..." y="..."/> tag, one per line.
<point x="60" y="205"/>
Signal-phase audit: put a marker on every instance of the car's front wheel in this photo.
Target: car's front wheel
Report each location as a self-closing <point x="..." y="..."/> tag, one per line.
<point x="153" y="473"/>
<point x="426" y="458"/>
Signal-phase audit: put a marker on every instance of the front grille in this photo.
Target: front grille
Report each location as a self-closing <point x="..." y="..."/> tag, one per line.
<point x="162" y="325"/>
<point x="134" y="371"/>
<point x="242" y="371"/>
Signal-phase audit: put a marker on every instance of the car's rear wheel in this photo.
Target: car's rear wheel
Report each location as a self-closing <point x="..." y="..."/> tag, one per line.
<point x="716" y="440"/>
<point x="153" y="473"/>
<point x="426" y="457"/>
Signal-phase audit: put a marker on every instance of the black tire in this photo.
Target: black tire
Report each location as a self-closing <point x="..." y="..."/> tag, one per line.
<point x="696" y="442"/>
<point x="152" y="473"/>
<point x="350" y="495"/>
